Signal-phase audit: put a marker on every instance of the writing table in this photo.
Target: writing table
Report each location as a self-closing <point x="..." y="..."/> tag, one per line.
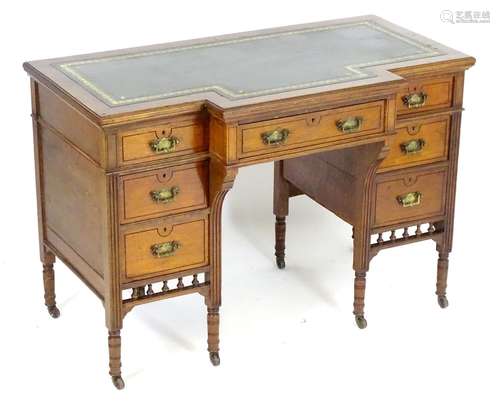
<point x="136" y="149"/>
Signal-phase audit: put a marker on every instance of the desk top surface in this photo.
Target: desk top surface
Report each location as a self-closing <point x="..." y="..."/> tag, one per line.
<point x="241" y="69"/>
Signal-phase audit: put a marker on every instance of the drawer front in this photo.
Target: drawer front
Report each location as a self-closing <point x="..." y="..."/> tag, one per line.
<point x="422" y="95"/>
<point x="418" y="142"/>
<point x="165" y="248"/>
<point x="163" y="191"/>
<point x="409" y="196"/>
<point x="309" y="129"/>
<point x="161" y="141"/>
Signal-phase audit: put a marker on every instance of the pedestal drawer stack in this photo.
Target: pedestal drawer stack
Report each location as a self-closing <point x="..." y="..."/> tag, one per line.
<point x="162" y="206"/>
<point x="415" y="183"/>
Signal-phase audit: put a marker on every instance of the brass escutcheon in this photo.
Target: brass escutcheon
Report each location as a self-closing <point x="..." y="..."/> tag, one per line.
<point x="167" y="249"/>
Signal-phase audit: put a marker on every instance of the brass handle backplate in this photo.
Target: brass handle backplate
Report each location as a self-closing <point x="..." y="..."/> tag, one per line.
<point x="164" y="144"/>
<point x="349" y="125"/>
<point x="413" y="146"/>
<point x="167" y="249"/>
<point x="275" y="137"/>
<point x="415" y="99"/>
<point x="410" y="199"/>
<point x="165" y="195"/>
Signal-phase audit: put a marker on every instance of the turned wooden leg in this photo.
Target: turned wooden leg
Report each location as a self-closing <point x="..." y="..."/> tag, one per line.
<point x="114" y="344"/>
<point x="442" y="276"/>
<point x="49" y="285"/>
<point x="221" y="181"/>
<point x="280" y="230"/>
<point x="359" y="298"/>
<point x="281" y="195"/>
<point x="213" y="334"/>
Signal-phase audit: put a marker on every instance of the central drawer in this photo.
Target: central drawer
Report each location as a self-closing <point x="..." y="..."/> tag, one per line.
<point x="164" y="191"/>
<point x="310" y="129"/>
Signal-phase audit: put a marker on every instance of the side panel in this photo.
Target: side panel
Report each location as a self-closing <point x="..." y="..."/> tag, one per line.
<point x="71" y="124"/>
<point x="75" y="207"/>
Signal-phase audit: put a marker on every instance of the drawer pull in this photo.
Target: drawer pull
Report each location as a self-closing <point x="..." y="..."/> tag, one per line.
<point x="167" y="249"/>
<point x="416" y="99"/>
<point x="413" y="146"/>
<point x="410" y="200"/>
<point x="164" y="144"/>
<point x="165" y="195"/>
<point x="275" y="137"/>
<point x="349" y="125"/>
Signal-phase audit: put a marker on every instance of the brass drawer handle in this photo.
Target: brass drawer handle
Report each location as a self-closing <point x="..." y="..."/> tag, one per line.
<point x="413" y="146"/>
<point x="349" y="125"/>
<point x="165" y="194"/>
<point x="275" y="137"/>
<point x="167" y="249"/>
<point x="164" y="144"/>
<point x="415" y="99"/>
<point x="410" y="200"/>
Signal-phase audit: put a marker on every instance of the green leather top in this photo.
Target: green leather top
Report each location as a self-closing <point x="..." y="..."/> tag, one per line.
<point x="247" y="66"/>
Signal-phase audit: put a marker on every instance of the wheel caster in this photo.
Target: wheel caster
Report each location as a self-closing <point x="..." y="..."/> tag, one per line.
<point x="214" y="358"/>
<point x="53" y="311"/>
<point x="361" y="322"/>
<point x="443" y="301"/>
<point x="118" y="381"/>
<point x="280" y="262"/>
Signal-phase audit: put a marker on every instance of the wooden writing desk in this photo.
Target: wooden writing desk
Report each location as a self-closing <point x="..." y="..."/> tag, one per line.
<point x="136" y="149"/>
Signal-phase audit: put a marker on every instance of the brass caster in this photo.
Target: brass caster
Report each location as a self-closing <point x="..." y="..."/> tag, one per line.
<point x="443" y="301"/>
<point x="361" y="322"/>
<point x="118" y="381"/>
<point x="214" y="358"/>
<point x="280" y="262"/>
<point x="53" y="311"/>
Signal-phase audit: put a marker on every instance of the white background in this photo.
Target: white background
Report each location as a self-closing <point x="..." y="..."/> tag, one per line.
<point x="285" y="335"/>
